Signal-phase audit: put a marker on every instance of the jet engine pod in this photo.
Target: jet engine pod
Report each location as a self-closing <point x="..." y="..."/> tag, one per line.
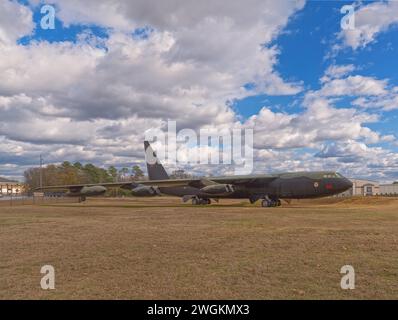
<point x="145" y="191"/>
<point x="88" y="191"/>
<point x="219" y="189"/>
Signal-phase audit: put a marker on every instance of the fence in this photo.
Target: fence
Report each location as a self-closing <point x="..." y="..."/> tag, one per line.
<point x="9" y="201"/>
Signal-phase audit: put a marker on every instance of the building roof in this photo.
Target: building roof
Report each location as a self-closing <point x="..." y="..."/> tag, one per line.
<point x="365" y="181"/>
<point x="7" y="180"/>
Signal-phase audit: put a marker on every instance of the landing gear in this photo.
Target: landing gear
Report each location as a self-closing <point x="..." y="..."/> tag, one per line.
<point x="268" y="203"/>
<point x="82" y="199"/>
<point x="198" y="201"/>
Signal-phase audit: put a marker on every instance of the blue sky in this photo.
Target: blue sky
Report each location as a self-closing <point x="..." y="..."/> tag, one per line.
<point x="317" y="96"/>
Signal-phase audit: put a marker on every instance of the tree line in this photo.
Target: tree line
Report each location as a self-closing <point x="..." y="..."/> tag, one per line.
<point x="77" y="173"/>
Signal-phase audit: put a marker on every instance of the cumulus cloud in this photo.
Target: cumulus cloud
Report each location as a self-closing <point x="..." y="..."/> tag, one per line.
<point x="370" y="20"/>
<point x="93" y="99"/>
<point x="337" y="71"/>
<point x="346" y="150"/>
<point x="354" y="85"/>
<point x="387" y="102"/>
<point x="15" y="22"/>
<point x="195" y="59"/>
<point x="183" y="67"/>
<point x="319" y="122"/>
<point x="352" y="155"/>
<point x="371" y="93"/>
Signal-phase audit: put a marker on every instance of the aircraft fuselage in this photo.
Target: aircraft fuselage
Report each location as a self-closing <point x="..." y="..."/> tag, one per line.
<point x="283" y="186"/>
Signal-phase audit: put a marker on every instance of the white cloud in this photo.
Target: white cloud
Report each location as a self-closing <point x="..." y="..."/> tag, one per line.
<point x="336" y="71"/>
<point x="361" y="160"/>
<point x="319" y="122"/>
<point x="15" y="21"/>
<point x="354" y="85"/>
<point x="370" y="20"/>
<point x="387" y="102"/>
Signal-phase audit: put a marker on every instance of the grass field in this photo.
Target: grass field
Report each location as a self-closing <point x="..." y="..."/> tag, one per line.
<point x="160" y="249"/>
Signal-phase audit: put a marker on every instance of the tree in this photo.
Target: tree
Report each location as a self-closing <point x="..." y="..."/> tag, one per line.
<point x="78" y="165"/>
<point x="137" y="172"/>
<point x="180" y="174"/>
<point x="32" y="179"/>
<point x="66" y="174"/>
<point x="66" y="164"/>
<point x="123" y="173"/>
<point x="92" y="173"/>
<point x="113" y="173"/>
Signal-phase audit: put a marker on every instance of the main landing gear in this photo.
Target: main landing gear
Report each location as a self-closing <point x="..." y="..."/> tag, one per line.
<point x="198" y="201"/>
<point x="269" y="203"/>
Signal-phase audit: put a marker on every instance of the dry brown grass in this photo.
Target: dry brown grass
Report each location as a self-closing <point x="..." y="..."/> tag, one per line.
<point x="160" y="249"/>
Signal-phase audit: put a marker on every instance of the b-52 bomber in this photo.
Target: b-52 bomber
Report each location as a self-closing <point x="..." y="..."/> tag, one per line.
<point x="270" y="189"/>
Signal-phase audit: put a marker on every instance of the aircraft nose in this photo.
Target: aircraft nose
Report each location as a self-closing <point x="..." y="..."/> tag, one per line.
<point x="346" y="184"/>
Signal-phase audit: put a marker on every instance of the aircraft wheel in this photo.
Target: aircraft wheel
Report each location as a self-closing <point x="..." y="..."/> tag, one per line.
<point x="195" y="201"/>
<point x="279" y="203"/>
<point x="204" y="201"/>
<point x="208" y="201"/>
<point x="265" y="204"/>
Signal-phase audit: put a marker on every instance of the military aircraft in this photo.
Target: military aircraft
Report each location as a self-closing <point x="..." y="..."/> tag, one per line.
<point x="268" y="188"/>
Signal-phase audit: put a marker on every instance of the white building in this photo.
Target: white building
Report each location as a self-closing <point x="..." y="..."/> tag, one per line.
<point x="362" y="188"/>
<point x="389" y="189"/>
<point x="9" y="187"/>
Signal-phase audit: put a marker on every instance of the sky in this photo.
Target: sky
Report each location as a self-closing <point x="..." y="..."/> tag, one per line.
<point x="318" y="96"/>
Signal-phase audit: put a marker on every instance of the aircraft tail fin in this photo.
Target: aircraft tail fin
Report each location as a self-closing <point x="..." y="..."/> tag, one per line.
<point x="155" y="169"/>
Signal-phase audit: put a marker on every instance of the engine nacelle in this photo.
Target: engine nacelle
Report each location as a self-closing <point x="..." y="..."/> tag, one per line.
<point x="219" y="189"/>
<point x="87" y="191"/>
<point x="145" y="191"/>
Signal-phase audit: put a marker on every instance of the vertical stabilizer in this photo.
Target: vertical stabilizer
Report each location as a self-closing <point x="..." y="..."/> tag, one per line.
<point x="155" y="169"/>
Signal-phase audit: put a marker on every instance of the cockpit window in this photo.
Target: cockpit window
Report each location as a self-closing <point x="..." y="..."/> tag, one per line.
<point x="333" y="175"/>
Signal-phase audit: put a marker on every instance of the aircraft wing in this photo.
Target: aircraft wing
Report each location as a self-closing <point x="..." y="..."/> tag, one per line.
<point x="196" y="183"/>
<point x="126" y="184"/>
<point x="204" y="182"/>
<point x="79" y="186"/>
